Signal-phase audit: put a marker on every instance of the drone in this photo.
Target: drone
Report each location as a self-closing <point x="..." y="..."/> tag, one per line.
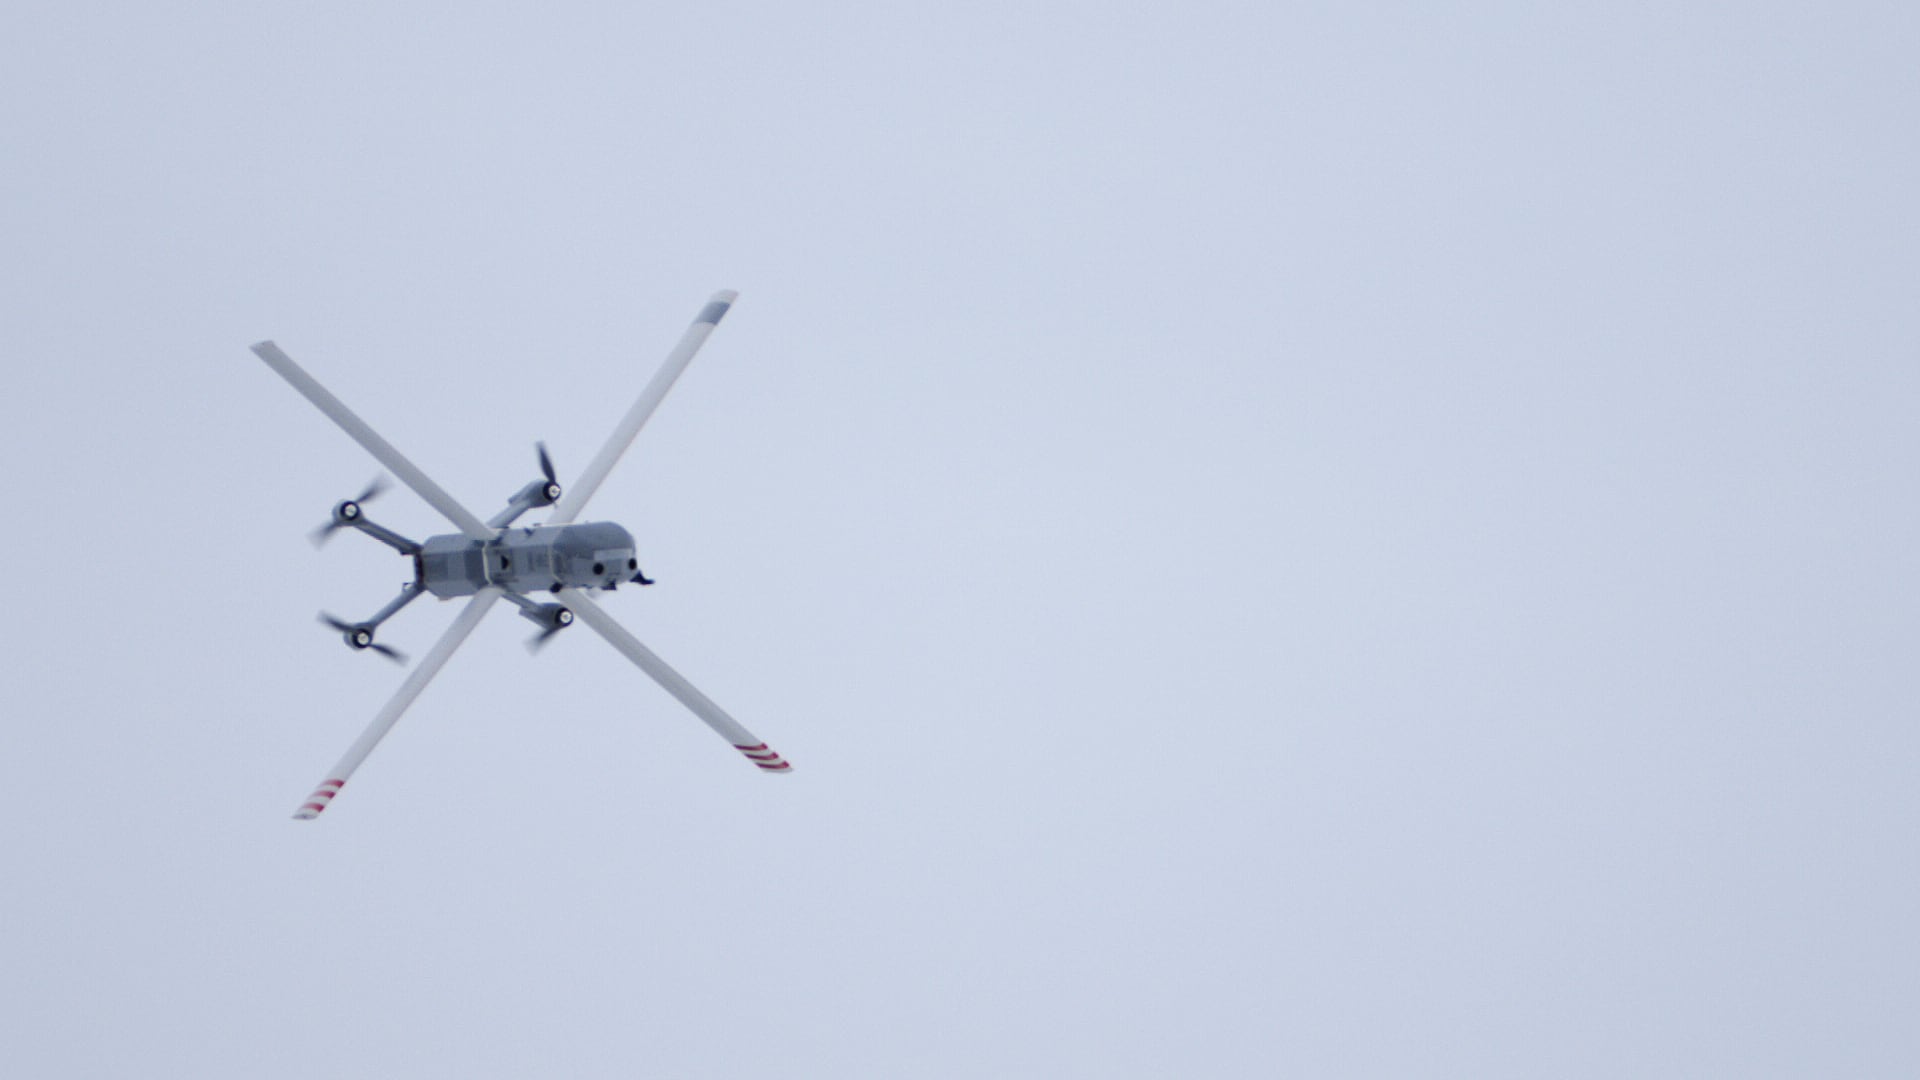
<point x="492" y="560"/>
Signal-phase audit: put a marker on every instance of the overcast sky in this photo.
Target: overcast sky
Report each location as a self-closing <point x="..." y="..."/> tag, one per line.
<point x="1280" y="540"/>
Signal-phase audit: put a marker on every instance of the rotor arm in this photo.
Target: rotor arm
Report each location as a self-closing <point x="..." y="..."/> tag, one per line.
<point x="750" y="745"/>
<point x="550" y="618"/>
<point x="542" y="492"/>
<point x="575" y="500"/>
<point x="389" y="714"/>
<point x="409" y="592"/>
<point x="527" y="498"/>
<point x="383" y="534"/>
<point x="382" y="450"/>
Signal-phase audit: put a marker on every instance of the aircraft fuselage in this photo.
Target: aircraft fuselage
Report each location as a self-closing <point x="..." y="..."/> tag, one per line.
<point x="588" y="555"/>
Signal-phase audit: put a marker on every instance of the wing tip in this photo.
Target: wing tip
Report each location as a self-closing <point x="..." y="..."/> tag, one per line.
<point x="717" y="307"/>
<point x="766" y="757"/>
<point x="321" y="798"/>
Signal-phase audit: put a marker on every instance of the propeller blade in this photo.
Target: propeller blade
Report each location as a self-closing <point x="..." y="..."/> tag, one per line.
<point x="671" y="681"/>
<point x="345" y="627"/>
<point x="374" y="490"/>
<point x="384" y="720"/>
<point x="546" y="463"/>
<point x="590" y="479"/>
<point x="539" y="640"/>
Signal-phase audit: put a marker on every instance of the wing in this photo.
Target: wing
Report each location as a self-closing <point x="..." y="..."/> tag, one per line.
<point x="582" y="489"/>
<point x="381" y="449"/>
<point x="383" y="722"/>
<point x="752" y="746"/>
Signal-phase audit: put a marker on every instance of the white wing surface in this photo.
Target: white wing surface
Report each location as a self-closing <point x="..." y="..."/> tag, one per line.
<point x="381" y="449"/>
<point x="752" y="746"/>
<point x="383" y="722"/>
<point x="589" y="481"/>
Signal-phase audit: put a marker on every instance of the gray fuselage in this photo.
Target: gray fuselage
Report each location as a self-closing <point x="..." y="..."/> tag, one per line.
<point x="590" y="555"/>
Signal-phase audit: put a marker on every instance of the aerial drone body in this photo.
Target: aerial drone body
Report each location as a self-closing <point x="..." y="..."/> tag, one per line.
<point x="492" y="560"/>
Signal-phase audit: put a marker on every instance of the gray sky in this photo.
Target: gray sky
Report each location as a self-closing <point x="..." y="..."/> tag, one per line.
<point x="1280" y="540"/>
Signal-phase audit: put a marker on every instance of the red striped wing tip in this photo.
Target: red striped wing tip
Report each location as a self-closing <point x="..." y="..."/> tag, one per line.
<point x="768" y="759"/>
<point x="320" y="799"/>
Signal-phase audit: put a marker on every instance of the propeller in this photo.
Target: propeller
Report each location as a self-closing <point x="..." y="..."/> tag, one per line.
<point x="552" y="492"/>
<point x="360" y="636"/>
<point x="557" y="618"/>
<point x="347" y="512"/>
